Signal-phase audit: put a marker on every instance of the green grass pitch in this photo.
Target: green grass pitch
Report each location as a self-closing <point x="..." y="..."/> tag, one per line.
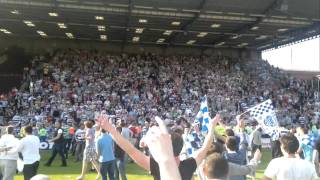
<point x="133" y="171"/>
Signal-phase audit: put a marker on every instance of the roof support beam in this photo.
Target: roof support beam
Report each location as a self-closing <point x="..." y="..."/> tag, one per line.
<point x="190" y="22"/>
<point x="294" y="35"/>
<point x="125" y="37"/>
<point x="246" y="27"/>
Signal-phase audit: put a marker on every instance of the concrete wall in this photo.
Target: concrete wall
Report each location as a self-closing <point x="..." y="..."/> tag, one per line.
<point x="42" y="45"/>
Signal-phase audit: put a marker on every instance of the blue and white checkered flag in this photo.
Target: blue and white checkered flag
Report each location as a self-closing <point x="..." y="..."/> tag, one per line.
<point x="266" y="117"/>
<point x="308" y="140"/>
<point x="203" y="117"/>
<point x="193" y="143"/>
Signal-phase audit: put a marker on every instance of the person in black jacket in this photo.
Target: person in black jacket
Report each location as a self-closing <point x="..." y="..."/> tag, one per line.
<point x="58" y="146"/>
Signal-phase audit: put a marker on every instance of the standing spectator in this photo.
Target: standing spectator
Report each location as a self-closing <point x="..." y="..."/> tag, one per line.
<point x="276" y="149"/>
<point x="126" y="133"/>
<point x="216" y="167"/>
<point x="305" y="144"/>
<point x="186" y="167"/>
<point x="58" y="146"/>
<point x="29" y="147"/>
<point x="256" y="140"/>
<point x="69" y="132"/>
<point x="104" y="146"/>
<point x="43" y="134"/>
<point x="235" y="156"/>
<point x="120" y="164"/>
<point x="288" y="166"/>
<point x="9" y="154"/>
<point x="80" y="142"/>
<point x="89" y="154"/>
<point x="237" y="153"/>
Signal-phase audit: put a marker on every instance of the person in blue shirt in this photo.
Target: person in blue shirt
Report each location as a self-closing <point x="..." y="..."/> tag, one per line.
<point x="235" y="155"/>
<point x="237" y="152"/>
<point x="104" y="146"/>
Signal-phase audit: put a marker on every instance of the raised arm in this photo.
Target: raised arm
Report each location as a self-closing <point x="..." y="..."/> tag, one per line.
<point x="141" y="159"/>
<point x="250" y="168"/>
<point x="160" y="145"/>
<point x="202" y="152"/>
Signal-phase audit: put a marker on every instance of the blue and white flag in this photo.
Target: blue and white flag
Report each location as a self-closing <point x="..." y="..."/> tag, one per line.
<point x="193" y="143"/>
<point x="203" y="117"/>
<point x="266" y="117"/>
<point x="308" y="140"/>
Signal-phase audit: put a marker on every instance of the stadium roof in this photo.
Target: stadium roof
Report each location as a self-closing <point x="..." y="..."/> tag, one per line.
<point x="257" y="24"/>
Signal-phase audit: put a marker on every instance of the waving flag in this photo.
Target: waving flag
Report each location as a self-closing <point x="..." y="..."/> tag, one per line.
<point x="203" y="117"/>
<point x="193" y="143"/>
<point x="266" y="117"/>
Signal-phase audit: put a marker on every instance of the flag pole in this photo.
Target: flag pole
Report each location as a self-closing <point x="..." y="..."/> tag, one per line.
<point x="243" y="113"/>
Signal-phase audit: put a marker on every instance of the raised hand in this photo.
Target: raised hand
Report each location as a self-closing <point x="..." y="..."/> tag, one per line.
<point x="104" y="123"/>
<point x="160" y="145"/>
<point x="215" y="121"/>
<point x="257" y="155"/>
<point x="159" y="142"/>
<point x="241" y="124"/>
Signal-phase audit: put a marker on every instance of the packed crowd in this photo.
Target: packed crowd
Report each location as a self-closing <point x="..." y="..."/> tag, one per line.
<point x="76" y="85"/>
<point x="63" y="97"/>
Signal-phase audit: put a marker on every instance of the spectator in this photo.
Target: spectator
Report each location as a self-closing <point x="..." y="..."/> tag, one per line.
<point x="160" y="144"/>
<point x="235" y="156"/>
<point x="89" y="154"/>
<point x="68" y="134"/>
<point x="288" y="166"/>
<point x="256" y="140"/>
<point x="29" y="147"/>
<point x="186" y="167"/>
<point x="58" y="146"/>
<point x="43" y="134"/>
<point x="120" y="163"/>
<point x="80" y="142"/>
<point x="305" y="144"/>
<point x="8" y="154"/>
<point x="105" y="153"/>
<point x="216" y="167"/>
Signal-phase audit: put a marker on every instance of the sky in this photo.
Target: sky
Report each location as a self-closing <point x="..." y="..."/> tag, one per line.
<point x="304" y="56"/>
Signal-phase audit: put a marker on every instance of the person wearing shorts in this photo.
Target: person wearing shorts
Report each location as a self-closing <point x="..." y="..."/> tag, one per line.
<point x="89" y="154"/>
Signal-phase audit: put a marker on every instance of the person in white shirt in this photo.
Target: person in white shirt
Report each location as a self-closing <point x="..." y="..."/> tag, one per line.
<point x="8" y="154"/>
<point x="29" y="148"/>
<point x="289" y="166"/>
<point x="40" y="177"/>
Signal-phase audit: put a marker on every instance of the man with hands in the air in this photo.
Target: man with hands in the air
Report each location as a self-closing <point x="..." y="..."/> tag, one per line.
<point x="160" y="146"/>
<point x="186" y="167"/>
